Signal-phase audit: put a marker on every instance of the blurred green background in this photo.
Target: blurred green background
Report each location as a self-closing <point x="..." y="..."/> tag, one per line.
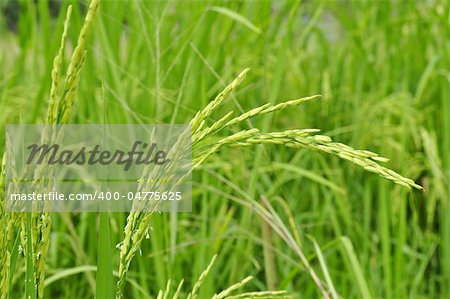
<point x="383" y="69"/>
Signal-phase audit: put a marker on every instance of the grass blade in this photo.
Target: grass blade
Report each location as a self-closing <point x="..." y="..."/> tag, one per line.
<point x="355" y="267"/>
<point x="104" y="288"/>
<point x="236" y="17"/>
<point x="325" y="271"/>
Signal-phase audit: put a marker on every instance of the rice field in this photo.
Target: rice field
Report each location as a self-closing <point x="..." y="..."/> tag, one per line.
<point x="320" y="146"/>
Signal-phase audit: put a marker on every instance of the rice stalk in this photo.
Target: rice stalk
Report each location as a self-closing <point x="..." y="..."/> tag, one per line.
<point x="59" y="111"/>
<point x="36" y="242"/>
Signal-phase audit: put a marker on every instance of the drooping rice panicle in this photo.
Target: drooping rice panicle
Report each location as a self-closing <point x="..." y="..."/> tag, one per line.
<point x="258" y="111"/>
<point x="138" y="222"/>
<point x="235" y="138"/>
<point x="270" y="108"/>
<point x="365" y="159"/>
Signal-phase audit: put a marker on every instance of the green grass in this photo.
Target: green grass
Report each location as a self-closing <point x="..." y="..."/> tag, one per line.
<point x="383" y="70"/>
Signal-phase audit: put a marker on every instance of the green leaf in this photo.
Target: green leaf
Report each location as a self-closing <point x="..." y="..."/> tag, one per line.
<point x="105" y="286"/>
<point x="237" y="17"/>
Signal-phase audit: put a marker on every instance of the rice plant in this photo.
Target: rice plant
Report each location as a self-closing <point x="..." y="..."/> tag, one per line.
<point x="298" y="221"/>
